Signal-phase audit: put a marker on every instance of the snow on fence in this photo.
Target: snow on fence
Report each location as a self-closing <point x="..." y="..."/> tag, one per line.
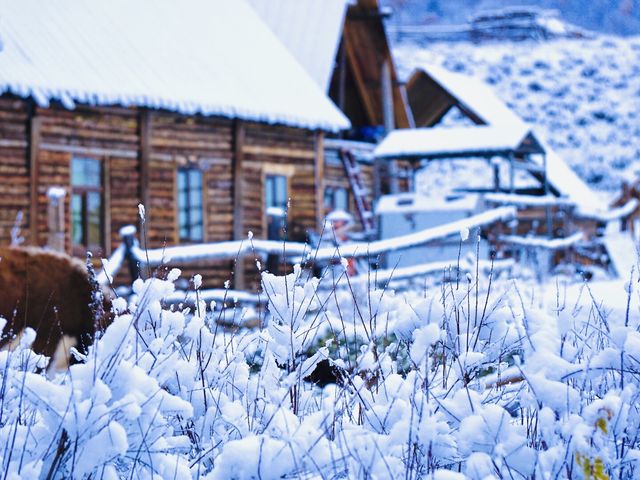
<point x="544" y="243"/>
<point x="239" y="248"/>
<point x="415" y="271"/>
<point x="613" y="214"/>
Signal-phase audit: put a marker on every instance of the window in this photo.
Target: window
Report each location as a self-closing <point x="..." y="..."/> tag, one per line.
<point x="190" y="211"/>
<point x="276" y="191"/>
<point x="276" y="198"/>
<point x="336" y="198"/>
<point x="87" y="213"/>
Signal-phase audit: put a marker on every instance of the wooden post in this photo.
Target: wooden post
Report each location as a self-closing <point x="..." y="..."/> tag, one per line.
<point x="342" y="76"/>
<point x="319" y="178"/>
<point x="145" y="156"/>
<point x="546" y="192"/>
<point x="35" y="124"/>
<point x="496" y="174"/>
<point x="512" y="173"/>
<point x="388" y="119"/>
<point x="387" y="97"/>
<point x="238" y="211"/>
<point x="55" y="218"/>
<point x="106" y="206"/>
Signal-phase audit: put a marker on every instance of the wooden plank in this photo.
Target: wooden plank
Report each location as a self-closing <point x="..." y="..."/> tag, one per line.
<point x="319" y="179"/>
<point x="238" y="211"/>
<point x="86" y="150"/>
<point x="359" y="79"/>
<point x="35" y="124"/>
<point x="278" y="151"/>
<point x="387" y="97"/>
<point x="106" y="234"/>
<point x="145" y="154"/>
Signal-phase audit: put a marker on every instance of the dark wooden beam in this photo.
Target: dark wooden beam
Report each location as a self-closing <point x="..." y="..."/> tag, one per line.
<point x="359" y="78"/>
<point x="145" y="156"/>
<point x="238" y="210"/>
<point x="319" y="179"/>
<point x="35" y="124"/>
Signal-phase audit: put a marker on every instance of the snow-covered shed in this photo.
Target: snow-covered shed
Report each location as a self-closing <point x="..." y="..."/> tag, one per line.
<point x="434" y="92"/>
<point x="193" y="108"/>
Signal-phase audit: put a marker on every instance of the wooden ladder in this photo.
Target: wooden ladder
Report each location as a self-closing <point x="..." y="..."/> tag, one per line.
<point x="363" y="205"/>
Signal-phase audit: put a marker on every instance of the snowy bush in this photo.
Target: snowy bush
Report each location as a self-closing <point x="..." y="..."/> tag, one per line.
<point x="469" y="378"/>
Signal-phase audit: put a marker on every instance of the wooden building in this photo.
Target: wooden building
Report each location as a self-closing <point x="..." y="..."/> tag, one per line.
<point x="558" y="206"/>
<point x="207" y="126"/>
<point x="344" y="48"/>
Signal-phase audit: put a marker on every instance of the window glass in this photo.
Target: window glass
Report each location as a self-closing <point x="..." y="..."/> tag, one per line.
<point x="190" y="209"/>
<point x="341" y="199"/>
<point x="94" y="218"/>
<point x="76" y="220"/>
<point x="85" y="172"/>
<point x="87" y="215"/>
<point x="276" y="191"/>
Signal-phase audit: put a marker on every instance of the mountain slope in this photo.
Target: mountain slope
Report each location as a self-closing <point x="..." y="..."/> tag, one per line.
<point x="583" y="94"/>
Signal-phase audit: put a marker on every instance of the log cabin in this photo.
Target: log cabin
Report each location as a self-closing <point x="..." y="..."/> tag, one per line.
<point x="193" y="109"/>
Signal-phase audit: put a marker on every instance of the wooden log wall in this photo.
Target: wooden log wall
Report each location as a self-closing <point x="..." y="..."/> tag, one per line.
<point x="277" y="150"/>
<point x="336" y="177"/>
<point x="140" y="151"/>
<point x="14" y="167"/>
<point x="196" y="142"/>
<point x="109" y="135"/>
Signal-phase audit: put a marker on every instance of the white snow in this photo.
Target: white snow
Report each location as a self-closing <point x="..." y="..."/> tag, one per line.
<point x="623" y="253"/>
<point x="613" y="214"/>
<point x="195" y="56"/>
<point x="127" y="230"/>
<point x="444" y="141"/>
<point x="310" y="29"/>
<point x="580" y="94"/>
<point x="417" y="202"/>
<point x="527" y="200"/>
<point x="473" y="94"/>
<point x="56" y="193"/>
<point x="542" y="242"/>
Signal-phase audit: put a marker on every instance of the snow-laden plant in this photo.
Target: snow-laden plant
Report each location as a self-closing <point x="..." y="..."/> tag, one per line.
<point x="464" y="379"/>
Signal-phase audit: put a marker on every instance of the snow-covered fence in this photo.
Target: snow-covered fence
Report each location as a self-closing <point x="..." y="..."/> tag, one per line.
<point x="544" y="243"/>
<point x="238" y="248"/>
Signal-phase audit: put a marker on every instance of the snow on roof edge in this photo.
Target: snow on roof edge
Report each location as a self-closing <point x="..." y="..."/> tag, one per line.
<point x="70" y="98"/>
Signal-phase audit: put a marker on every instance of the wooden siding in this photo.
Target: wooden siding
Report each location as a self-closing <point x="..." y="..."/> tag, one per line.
<point x="121" y="138"/>
<point x="335" y="176"/>
<point x="14" y="167"/>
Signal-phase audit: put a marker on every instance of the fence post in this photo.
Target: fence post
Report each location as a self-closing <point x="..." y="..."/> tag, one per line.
<point x="55" y="218"/>
<point x="128" y="235"/>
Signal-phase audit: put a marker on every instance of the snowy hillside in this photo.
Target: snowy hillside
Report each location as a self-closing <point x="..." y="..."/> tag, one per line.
<point x="584" y="95"/>
<point x="621" y="17"/>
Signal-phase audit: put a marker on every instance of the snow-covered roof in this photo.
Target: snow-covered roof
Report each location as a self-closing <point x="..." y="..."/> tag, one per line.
<point x="567" y="183"/>
<point x="474" y="95"/>
<point x="408" y="202"/>
<point x="478" y="98"/>
<point x="451" y="142"/>
<point x="310" y="29"/>
<point x="215" y="57"/>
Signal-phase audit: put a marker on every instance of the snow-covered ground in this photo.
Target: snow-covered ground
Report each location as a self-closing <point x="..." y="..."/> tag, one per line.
<point x="584" y="95"/>
<point x="478" y="378"/>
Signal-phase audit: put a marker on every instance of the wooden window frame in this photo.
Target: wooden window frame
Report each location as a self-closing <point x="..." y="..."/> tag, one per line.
<point x="272" y="169"/>
<point x="332" y="189"/>
<point x="84" y="191"/>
